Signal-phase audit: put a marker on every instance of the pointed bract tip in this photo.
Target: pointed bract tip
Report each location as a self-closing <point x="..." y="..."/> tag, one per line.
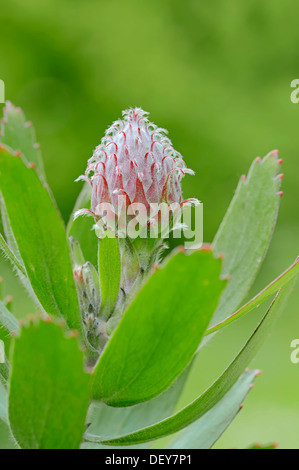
<point x="74" y="333"/>
<point x="206" y="247"/>
<point x="258" y="372"/>
<point x="275" y="152"/>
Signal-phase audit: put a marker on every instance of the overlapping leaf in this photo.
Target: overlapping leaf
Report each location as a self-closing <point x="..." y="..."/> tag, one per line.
<point x="207" y="430"/>
<point x="160" y="331"/>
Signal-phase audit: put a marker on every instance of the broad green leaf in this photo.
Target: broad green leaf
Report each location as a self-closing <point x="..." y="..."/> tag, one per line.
<point x="81" y="229"/>
<point x="41" y="239"/>
<point x="110" y="272"/>
<point x="273" y="287"/>
<point x="49" y="390"/>
<point x="107" y="422"/>
<point x="204" y="432"/>
<point x="246" y="230"/>
<point x="160" y="331"/>
<point x="19" y="135"/>
<point x="216" y="391"/>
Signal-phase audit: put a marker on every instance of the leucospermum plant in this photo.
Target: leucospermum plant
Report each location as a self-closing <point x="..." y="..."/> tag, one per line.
<point x="120" y="323"/>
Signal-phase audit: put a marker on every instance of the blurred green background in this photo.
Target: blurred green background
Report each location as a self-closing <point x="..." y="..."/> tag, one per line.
<point x="217" y="75"/>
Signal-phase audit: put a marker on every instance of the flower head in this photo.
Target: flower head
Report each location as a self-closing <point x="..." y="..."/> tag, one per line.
<point x="135" y="160"/>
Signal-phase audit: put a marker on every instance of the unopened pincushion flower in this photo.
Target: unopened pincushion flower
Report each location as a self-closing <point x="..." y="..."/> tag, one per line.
<point x="135" y="160"/>
<point x="106" y="308"/>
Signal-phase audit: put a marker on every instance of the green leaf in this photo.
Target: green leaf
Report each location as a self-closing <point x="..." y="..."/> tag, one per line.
<point x="91" y="445"/>
<point x="81" y="228"/>
<point x="49" y="390"/>
<point x="41" y="239"/>
<point x="246" y="230"/>
<point x="108" y="422"/>
<point x="19" y="135"/>
<point x="3" y="403"/>
<point x="8" y="254"/>
<point x="110" y="272"/>
<point x="9" y="325"/>
<point x="272" y="445"/>
<point x="273" y="287"/>
<point x="216" y="391"/>
<point x="160" y="331"/>
<point x="204" y="432"/>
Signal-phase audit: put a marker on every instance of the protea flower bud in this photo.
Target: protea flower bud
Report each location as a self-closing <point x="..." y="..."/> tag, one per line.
<point x="135" y="173"/>
<point x="135" y="160"/>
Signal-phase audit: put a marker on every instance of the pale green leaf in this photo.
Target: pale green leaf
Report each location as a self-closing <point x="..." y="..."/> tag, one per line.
<point x="246" y="230"/>
<point x="204" y="432"/>
<point x="19" y="135"/>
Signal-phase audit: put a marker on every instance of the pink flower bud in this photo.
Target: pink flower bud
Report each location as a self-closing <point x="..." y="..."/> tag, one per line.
<point x="135" y="160"/>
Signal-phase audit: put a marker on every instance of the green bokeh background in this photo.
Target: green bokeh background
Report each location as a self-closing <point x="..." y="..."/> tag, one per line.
<point x="217" y="74"/>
